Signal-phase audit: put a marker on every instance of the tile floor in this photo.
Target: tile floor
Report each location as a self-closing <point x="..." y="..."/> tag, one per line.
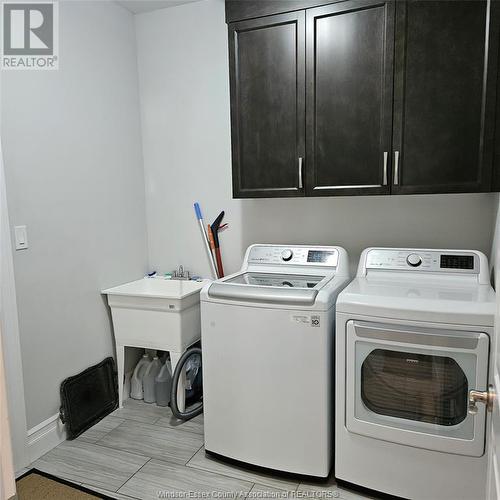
<point x="141" y="450"/>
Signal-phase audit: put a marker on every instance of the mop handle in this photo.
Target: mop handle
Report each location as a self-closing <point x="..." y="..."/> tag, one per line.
<point x="197" y="210"/>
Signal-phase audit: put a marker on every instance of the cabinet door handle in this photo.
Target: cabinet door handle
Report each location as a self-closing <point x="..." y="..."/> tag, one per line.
<point x="396" y="168"/>
<point x="385" y="168"/>
<point x="300" y="173"/>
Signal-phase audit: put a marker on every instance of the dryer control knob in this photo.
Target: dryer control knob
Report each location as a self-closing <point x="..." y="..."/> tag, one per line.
<point x="414" y="260"/>
<point x="286" y="255"/>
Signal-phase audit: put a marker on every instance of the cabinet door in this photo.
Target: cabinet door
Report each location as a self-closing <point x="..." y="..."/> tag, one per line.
<point x="349" y="97"/>
<point x="493" y="45"/>
<point x="267" y="66"/>
<point x="496" y="154"/>
<point x="443" y="114"/>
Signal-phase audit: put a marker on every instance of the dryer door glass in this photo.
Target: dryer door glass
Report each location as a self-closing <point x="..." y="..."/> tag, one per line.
<point x="421" y="387"/>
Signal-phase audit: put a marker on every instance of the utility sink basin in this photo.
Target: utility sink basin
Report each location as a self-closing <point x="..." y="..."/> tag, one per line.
<point x="155" y="314"/>
<point x="157" y="288"/>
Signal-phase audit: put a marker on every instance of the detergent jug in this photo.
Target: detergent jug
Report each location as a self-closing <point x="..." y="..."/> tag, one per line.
<point x="163" y="384"/>
<point x="148" y="381"/>
<point x="136" y="390"/>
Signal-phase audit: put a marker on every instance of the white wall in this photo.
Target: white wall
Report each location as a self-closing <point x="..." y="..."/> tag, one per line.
<point x="74" y="176"/>
<point x="184" y="88"/>
<point x="495" y="246"/>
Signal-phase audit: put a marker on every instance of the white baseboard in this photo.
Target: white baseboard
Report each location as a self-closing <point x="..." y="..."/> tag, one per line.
<point x="45" y="436"/>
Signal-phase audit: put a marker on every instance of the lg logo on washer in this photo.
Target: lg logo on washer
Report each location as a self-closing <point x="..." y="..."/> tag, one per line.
<point x="30" y="36"/>
<point x="304" y="319"/>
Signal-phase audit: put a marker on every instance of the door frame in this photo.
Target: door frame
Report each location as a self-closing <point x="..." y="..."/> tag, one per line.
<point x="493" y="430"/>
<point x="10" y="337"/>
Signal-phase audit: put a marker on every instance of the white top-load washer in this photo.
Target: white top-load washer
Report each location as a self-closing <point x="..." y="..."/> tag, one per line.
<point x="414" y="334"/>
<point x="267" y="339"/>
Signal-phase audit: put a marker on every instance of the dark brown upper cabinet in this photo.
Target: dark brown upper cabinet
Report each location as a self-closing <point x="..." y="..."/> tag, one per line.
<point x="363" y="97"/>
<point x="349" y="72"/>
<point x="444" y="107"/>
<point x="496" y="153"/>
<point x="267" y="77"/>
<point x="495" y="14"/>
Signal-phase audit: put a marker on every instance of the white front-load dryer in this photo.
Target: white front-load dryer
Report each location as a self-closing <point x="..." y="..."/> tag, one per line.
<point x="414" y="334"/>
<point x="267" y="340"/>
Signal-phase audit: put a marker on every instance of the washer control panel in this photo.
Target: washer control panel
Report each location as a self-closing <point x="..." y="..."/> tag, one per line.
<point x="298" y="256"/>
<point x="422" y="260"/>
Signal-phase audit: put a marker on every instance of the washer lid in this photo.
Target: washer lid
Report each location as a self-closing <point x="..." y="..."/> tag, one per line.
<point x="274" y="288"/>
<point x="420" y="300"/>
<point x="278" y="280"/>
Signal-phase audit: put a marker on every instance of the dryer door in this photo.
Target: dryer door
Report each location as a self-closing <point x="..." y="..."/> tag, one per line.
<point x="410" y="385"/>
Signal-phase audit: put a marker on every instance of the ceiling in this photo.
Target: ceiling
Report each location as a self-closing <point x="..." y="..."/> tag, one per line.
<point x="139" y="6"/>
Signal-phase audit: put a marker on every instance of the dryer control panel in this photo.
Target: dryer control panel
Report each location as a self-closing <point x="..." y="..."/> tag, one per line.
<point x="296" y="256"/>
<point x="423" y="260"/>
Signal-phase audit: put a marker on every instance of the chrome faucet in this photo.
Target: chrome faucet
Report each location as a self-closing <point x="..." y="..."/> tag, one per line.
<point x="180" y="274"/>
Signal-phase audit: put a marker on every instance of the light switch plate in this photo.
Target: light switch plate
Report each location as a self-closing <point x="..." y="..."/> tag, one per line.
<point x="21" y="236"/>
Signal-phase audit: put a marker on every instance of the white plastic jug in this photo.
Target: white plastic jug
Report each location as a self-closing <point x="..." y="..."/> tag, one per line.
<point x="163" y="384"/>
<point x="136" y="391"/>
<point x="148" y="382"/>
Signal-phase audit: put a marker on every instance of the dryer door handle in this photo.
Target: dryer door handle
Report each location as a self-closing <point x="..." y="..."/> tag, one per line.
<point x="486" y="397"/>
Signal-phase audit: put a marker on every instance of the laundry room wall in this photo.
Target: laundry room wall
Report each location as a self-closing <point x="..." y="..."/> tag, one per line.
<point x="495" y="246"/>
<point x="73" y="162"/>
<point x="184" y="89"/>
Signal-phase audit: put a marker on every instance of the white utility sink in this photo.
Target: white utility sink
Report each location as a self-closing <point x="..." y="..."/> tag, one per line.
<point x="157" y="288"/>
<point x="155" y="314"/>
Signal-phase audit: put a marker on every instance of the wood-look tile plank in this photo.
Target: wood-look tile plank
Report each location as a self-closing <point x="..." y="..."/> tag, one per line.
<point x="205" y="462"/>
<point x="157" y="476"/>
<point x="112" y="494"/>
<point x="262" y="491"/>
<point x="100" y="429"/>
<point x="91" y="464"/>
<point x="318" y="485"/>
<point x="331" y="487"/>
<point x="194" y="425"/>
<point x="141" y="411"/>
<point x="346" y="494"/>
<point x="154" y="441"/>
<point x="20" y="472"/>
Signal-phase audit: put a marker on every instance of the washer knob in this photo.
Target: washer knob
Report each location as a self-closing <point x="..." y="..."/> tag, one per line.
<point x="286" y="255"/>
<point x="414" y="260"/>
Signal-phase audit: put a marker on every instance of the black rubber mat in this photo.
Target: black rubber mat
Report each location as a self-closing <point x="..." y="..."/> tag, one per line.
<point x="88" y="397"/>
